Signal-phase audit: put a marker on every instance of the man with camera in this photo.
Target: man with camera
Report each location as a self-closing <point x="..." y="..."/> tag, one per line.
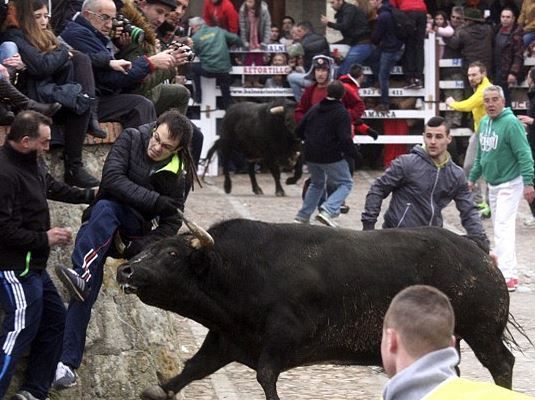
<point x="90" y="33"/>
<point x="149" y="15"/>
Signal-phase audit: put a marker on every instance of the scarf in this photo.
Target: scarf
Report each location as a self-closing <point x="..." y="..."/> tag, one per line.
<point x="253" y="30"/>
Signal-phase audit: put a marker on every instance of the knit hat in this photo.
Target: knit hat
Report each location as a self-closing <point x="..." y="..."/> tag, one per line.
<point x="323" y="62"/>
<point x="474" y="14"/>
<point x="168" y="3"/>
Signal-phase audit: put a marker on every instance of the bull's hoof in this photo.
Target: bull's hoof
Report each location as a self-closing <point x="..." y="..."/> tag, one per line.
<point x="292" y="180"/>
<point x="156" y="393"/>
<point x="258" y="190"/>
<point x="280" y="193"/>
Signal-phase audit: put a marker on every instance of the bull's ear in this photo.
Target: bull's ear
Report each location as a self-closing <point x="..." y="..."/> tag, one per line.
<point x="199" y="260"/>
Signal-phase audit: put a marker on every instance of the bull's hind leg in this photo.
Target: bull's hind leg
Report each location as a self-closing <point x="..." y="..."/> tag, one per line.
<point x="494" y="355"/>
<point x="252" y="175"/>
<point x="213" y="355"/>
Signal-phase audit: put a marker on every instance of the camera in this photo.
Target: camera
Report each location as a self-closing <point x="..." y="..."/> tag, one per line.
<point x="137" y="34"/>
<point x="182" y="48"/>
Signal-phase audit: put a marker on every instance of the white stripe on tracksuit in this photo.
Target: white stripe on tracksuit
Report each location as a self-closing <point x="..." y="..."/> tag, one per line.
<point x="20" y="311"/>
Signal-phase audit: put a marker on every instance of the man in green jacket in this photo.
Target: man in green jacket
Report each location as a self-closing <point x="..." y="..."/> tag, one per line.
<point x="211" y="44"/>
<point x="505" y="161"/>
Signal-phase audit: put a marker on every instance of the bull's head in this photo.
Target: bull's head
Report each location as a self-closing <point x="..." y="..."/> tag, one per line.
<point x="157" y="273"/>
<point x="287" y="110"/>
<point x="160" y="274"/>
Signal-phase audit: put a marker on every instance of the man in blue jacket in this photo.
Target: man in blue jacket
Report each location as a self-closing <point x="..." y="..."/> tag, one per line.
<point x="423" y="183"/>
<point x="90" y="33"/>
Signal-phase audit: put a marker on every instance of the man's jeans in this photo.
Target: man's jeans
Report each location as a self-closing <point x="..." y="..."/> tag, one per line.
<point x="357" y="54"/>
<point x="339" y="176"/>
<point x="223" y="80"/>
<point x="504" y="200"/>
<point x="381" y="64"/>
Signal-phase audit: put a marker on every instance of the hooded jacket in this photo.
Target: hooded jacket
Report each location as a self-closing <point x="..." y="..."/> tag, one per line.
<point x="433" y="377"/>
<point x="422" y="376"/>
<point x="326" y="130"/>
<point x="222" y="14"/>
<point x="503" y="152"/>
<point x="420" y="191"/>
<point x="145" y="49"/>
<point x="25" y="185"/>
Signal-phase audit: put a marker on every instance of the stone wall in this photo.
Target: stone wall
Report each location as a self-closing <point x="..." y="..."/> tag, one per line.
<point x="127" y="341"/>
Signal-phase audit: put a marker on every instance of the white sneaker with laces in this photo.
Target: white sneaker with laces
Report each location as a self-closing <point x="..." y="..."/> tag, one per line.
<point x="65" y="377"/>
<point x="326" y="219"/>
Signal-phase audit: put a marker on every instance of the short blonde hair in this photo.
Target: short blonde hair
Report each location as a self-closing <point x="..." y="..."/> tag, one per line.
<point x="423" y="317"/>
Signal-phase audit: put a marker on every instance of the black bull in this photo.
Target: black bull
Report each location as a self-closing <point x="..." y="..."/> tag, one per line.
<point x="277" y="296"/>
<point x="259" y="131"/>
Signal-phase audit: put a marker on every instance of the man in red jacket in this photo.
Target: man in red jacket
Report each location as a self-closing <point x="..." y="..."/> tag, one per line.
<point x="221" y="13"/>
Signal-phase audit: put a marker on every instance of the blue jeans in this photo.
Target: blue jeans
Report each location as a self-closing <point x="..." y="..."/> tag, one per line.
<point x="528" y="38"/>
<point x="298" y="83"/>
<point x="34" y="319"/>
<point x="381" y="65"/>
<point x="357" y="54"/>
<point x="93" y="241"/>
<point x="8" y="49"/>
<point x="339" y="176"/>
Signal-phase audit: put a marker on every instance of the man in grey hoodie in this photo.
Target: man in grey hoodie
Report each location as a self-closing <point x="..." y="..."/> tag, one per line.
<point x="422" y="183"/>
<point x="418" y="351"/>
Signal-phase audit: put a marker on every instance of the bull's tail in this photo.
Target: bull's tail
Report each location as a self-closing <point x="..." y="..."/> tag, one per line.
<point x="508" y="337"/>
<point x="209" y="156"/>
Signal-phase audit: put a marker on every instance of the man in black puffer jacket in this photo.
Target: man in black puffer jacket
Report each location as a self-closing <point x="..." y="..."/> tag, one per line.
<point x="34" y="312"/>
<point x="326" y="130"/>
<point x="142" y="185"/>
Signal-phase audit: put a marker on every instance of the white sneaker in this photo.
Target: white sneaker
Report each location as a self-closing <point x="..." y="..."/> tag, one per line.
<point x="530" y="221"/>
<point x="326" y="219"/>
<point x="65" y="377"/>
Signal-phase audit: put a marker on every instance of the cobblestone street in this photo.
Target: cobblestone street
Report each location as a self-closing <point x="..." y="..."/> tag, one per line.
<point x="209" y="205"/>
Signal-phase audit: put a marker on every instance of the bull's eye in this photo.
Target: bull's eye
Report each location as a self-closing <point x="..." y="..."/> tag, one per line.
<point x="172" y="253"/>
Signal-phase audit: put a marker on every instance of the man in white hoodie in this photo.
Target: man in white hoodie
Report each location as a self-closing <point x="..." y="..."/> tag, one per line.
<point x="418" y="351"/>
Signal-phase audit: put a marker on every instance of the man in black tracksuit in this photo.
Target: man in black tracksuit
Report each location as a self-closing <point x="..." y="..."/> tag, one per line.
<point x="34" y="311"/>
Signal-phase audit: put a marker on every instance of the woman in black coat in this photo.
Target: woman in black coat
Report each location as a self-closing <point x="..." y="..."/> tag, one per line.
<point x="50" y="76"/>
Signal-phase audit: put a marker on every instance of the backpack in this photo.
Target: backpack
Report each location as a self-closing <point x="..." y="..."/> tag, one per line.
<point x="404" y="27"/>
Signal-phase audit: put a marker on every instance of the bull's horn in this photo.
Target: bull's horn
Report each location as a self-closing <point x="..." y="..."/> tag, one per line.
<point x="276" y="110"/>
<point x="205" y="239"/>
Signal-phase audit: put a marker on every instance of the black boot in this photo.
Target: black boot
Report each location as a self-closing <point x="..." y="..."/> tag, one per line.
<point x="77" y="175"/>
<point x="14" y="96"/>
<point x="94" y="127"/>
<point x="47" y="109"/>
<point x="6" y="116"/>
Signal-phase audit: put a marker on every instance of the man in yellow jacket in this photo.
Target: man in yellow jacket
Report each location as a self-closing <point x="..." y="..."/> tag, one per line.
<point x="477" y="76"/>
<point x="418" y="351"/>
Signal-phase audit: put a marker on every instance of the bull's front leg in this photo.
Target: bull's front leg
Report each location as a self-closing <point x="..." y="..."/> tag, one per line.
<point x="212" y="356"/>
<point x="275" y="171"/>
<point x="298" y="171"/>
<point x="252" y="175"/>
